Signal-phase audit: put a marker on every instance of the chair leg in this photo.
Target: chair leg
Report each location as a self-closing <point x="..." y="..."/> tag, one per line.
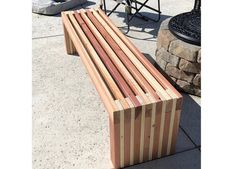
<point x="70" y="48"/>
<point x="128" y="13"/>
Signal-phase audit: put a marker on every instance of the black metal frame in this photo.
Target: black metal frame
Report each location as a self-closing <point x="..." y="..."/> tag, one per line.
<point x="130" y="16"/>
<point x="182" y="35"/>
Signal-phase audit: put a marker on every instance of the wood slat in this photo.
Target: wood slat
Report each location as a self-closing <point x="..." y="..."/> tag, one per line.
<point x="147" y="129"/>
<point x="140" y="56"/>
<point x="115" y="132"/>
<point x="132" y="130"/>
<point x="152" y="81"/>
<point x="152" y="127"/>
<point x="121" y="55"/>
<point x="142" y="131"/>
<point x="144" y="108"/>
<point x="162" y="124"/>
<point x="156" y="137"/>
<point x="108" y="63"/>
<point x="68" y="42"/>
<point x="104" y="44"/>
<point x="105" y="74"/>
<point x="165" y="133"/>
<point x="128" y="77"/>
<point x="96" y="78"/>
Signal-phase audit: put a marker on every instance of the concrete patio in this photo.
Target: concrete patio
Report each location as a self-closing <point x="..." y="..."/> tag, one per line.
<point x="70" y="123"/>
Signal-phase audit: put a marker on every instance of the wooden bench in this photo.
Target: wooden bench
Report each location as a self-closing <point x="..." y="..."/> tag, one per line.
<point x="144" y="108"/>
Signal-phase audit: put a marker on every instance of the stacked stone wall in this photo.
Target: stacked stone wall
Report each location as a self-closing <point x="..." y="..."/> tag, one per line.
<point x="181" y="61"/>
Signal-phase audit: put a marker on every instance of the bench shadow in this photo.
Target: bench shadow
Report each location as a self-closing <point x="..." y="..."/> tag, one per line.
<point x="190" y="121"/>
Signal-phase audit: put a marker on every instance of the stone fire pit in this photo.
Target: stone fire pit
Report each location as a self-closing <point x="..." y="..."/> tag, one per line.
<point x="181" y="61"/>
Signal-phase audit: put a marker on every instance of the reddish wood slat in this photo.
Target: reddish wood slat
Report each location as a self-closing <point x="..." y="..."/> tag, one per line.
<point x="110" y="66"/>
<point x="127" y="137"/>
<point x="137" y="135"/>
<point x="122" y="56"/>
<point x="157" y="129"/>
<point x="144" y="60"/>
<point x="115" y="134"/>
<point x="148" y="113"/>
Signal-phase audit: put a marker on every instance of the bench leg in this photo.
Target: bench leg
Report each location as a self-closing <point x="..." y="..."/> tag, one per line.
<point x="68" y="43"/>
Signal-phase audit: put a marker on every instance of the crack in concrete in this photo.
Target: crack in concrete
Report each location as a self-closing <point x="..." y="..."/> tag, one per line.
<point x="49" y="36"/>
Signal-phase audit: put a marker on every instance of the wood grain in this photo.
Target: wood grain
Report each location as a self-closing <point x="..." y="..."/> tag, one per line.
<point x="151" y="80"/>
<point x="162" y="80"/>
<point x="152" y="126"/>
<point x="95" y="58"/>
<point x="95" y="76"/>
<point x="144" y="108"/>
<point x="102" y="27"/>
<point x="68" y="43"/>
<point x="156" y="139"/>
<point x="147" y="128"/>
<point x="108" y="63"/>
<point x="102" y="40"/>
<point x="132" y="130"/>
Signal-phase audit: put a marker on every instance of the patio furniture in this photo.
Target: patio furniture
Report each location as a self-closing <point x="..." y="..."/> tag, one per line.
<point x="144" y="108"/>
<point x="138" y="5"/>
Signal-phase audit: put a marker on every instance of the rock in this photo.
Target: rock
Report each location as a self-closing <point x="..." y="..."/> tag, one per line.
<point x="199" y="56"/>
<point x="184" y="85"/>
<point x="186" y="76"/>
<point x="162" y="53"/>
<point x="189" y="66"/>
<point x="197" y="80"/>
<point x="162" y="63"/>
<point x="53" y="7"/>
<point x="184" y="50"/>
<point x="197" y="91"/>
<point x="164" y="39"/>
<point x="172" y="71"/>
<point x="179" y="74"/>
<point x="164" y="24"/>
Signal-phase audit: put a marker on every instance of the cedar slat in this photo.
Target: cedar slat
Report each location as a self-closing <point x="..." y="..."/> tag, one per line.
<point x="157" y="129"/>
<point x="122" y="56"/>
<point x="127" y="133"/>
<point x="96" y="78"/>
<point x="165" y="134"/>
<point x="140" y="56"/>
<point x="152" y="81"/>
<point x="128" y="77"/>
<point x="171" y="126"/>
<point x="132" y="129"/>
<point x="137" y="124"/>
<point x="147" y="128"/>
<point x="161" y="132"/>
<point x="68" y="42"/>
<point x="109" y="65"/>
<point x="105" y="74"/>
<point x="152" y="127"/>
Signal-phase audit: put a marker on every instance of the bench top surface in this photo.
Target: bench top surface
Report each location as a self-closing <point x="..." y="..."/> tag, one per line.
<point x="122" y="75"/>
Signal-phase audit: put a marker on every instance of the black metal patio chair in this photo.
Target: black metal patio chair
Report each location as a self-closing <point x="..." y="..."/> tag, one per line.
<point x="136" y="6"/>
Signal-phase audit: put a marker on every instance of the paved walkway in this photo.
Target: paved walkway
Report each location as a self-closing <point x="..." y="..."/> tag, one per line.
<point x="70" y="123"/>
